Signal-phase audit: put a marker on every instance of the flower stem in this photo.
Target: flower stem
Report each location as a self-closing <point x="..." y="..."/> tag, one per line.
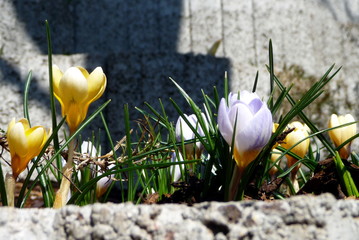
<point x="236" y="179"/>
<point x="63" y="192"/>
<point x="10" y="189"/>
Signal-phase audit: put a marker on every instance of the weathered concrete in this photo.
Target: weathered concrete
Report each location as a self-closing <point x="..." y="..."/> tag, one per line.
<point x="301" y="217"/>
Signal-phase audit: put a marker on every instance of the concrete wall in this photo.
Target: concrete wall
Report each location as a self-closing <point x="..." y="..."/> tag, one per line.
<point x="142" y="43"/>
<point x="321" y="218"/>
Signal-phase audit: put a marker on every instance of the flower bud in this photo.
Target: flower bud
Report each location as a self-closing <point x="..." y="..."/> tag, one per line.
<point x="76" y="89"/>
<point x="24" y="143"/>
<point x="183" y="131"/>
<point x="299" y="132"/>
<point x="340" y="135"/>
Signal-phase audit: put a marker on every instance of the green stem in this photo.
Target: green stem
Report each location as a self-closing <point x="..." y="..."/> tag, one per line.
<point x="233" y="186"/>
<point x="345" y="176"/>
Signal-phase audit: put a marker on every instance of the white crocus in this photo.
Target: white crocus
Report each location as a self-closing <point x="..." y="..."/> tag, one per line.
<point x="102" y="184"/>
<point x="183" y="131"/>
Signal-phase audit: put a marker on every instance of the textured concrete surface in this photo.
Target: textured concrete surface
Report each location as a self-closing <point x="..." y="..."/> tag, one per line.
<point x="301" y="217"/>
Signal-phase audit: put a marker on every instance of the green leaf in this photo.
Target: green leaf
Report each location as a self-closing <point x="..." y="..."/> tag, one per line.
<point x="345" y="177"/>
<point x="52" y="98"/>
<point x="212" y="51"/>
<point x="26" y="97"/>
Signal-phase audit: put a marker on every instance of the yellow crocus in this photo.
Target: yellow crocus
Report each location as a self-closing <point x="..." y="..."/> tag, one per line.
<point x="76" y="89"/>
<point x="340" y="135"/>
<point x="299" y="132"/>
<point x="24" y="143"/>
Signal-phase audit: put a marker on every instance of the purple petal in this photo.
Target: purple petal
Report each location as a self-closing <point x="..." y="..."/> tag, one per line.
<point x="257" y="133"/>
<point x="224" y="123"/>
<point x="242" y="113"/>
<point x="255" y="105"/>
<point x="248" y="97"/>
<point x="232" y="98"/>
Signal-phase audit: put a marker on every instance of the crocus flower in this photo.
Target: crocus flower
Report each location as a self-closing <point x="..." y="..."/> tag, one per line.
<point x="253" y="125"/>
<point x="300" y="132"/>
<point x="184" y="131"/>
<point x="102" y="184"/>
<point x="24" y="143"/>
<point x="340" y="135"/>
<point x="176" y="169"/>
<point x="76" y="89"/>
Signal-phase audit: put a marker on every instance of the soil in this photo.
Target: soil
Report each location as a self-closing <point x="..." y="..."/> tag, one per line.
<point x="324" y="180"/>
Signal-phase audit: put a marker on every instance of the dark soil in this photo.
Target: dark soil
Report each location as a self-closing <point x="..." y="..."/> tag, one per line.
<point x="324" y="180"/>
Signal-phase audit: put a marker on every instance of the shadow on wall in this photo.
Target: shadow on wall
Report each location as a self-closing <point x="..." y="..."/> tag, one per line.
<point x="342" y="10"/>
<point x="134" y="41"/>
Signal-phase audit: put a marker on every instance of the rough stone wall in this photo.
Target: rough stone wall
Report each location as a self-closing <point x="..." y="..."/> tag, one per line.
<point x="303" y="217"/>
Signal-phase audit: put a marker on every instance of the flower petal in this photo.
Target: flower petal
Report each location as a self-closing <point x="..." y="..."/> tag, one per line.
<point x="56" y="77"/>
<point x="257" y="132"/>
<point x="35" y="138"/>
<point x="75" y="114"/>
<point x="183" y="130"/>
<point x="241" y="113"/>
<point x="298" y="134"/>
<point x="232" y="98"/>
<point x="255" y="105"/>
<point x="83" y="71"/>
<point x="17" y="140"/>
<point x="96" y="84"/>
<point x="248" y="97"/>
<point x="25" y="123"/>
<point x="350" y="130"/>
<point x="335" y="134"/>
<point x="224" y="124"/>
<point x="73" y="86"/>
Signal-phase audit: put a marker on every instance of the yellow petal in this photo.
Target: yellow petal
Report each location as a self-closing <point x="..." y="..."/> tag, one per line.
<point x="73" y="86"/>
<point x="243" y="159"/>
<point x="56" y="77"/>
<point x="16" y="166"/>
<point x="340" y="135"/>
<point x="275" y="126"/>
<point x="96" y="84"/>
<point x="335" y="134"/>
<point x="25" y="123"/>
<point x="294" y="137"/>
<point x="17" y="140"/>
<point x="35" y="137"/>
<point x="75" y="113"/>
<point x="11" y="124"/>
<point x="350" y="130"/>
<point x="84" y="71"/>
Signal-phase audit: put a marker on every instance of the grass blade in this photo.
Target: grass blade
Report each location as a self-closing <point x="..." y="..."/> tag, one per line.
<point x="26" y="97"/>
<point x="52" y="98"/>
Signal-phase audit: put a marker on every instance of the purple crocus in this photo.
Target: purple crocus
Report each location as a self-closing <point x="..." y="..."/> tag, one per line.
<point x="253" y="126"/>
